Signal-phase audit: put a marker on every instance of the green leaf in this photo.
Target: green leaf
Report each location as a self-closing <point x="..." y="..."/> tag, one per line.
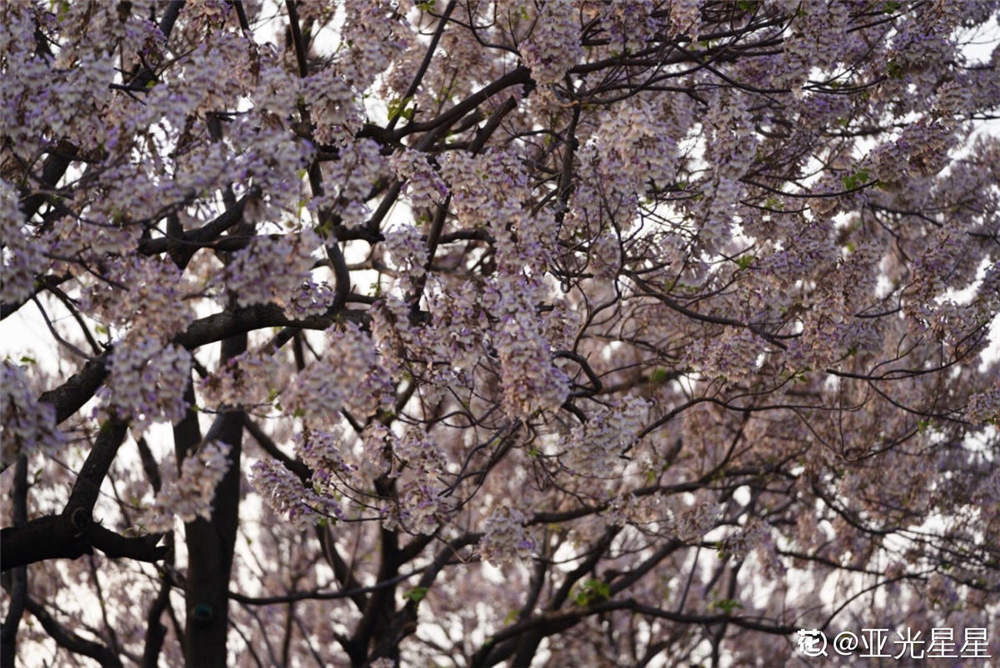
<point x="856" y="180"/>
<point x="592" y="591"/>
<point x="659" y="376"/>
<point x="397" y="108"/>
<point x="416" y="594"/>
<point x="727" y="605"/>
<point x="63" y="8"/>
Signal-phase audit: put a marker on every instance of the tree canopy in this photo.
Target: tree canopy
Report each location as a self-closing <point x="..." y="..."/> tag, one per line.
<point x="472" y="333"/>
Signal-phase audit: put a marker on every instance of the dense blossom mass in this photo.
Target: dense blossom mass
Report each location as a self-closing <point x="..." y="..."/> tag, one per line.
<point x="524" y="332"/>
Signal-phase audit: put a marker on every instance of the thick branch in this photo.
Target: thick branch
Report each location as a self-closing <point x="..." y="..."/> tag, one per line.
<point x="19" y="578"/>
<point x="155" y="630"/>
<point x="71" y="641"/>
<point x="95" y="467"/>
<point x="69" y="397"/>
<point x="211" y="542"/>
<point x="57" y="537"/>
<point x="551" y="623"/>
<point x="80" y="388"/>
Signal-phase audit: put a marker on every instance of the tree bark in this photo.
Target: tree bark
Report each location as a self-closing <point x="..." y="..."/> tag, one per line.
<point x="210" y="543"/>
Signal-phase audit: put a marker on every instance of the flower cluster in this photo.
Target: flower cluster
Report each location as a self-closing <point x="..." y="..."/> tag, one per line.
<point x="984" y="407"/>
<point x="493" y="188"/>
<point x="322" y="451"/>
<point x="531" y="381"/>
<point x="595" y="448"/>
<point x="732" y="355"/>
<point x="423" y="508"/>
<point x="250" y="379"/>
<point x="505" y="537"/>
<point x="152" y="304"/>
<point x="755" y="537"/>
<point x="321" y="390"/>
<point x="332" y="105"/>
<point x="287" y="496"/>
<point x="22" y="256"/>
<point x="422" y="184"/>
<point x="407" y="252"/>
<point x="147" y="381"/>
<point x="374" y="35"/>
<point x="630" y="24"/>
<point x="190" y="495"/>
<point x="746" y="540"/>
<point x="27" y="424"/>
<point x="695" y="520"/>
<point x="311" y="298"/>
<point x="271" y="268"/>
<point x="554" y="44"/>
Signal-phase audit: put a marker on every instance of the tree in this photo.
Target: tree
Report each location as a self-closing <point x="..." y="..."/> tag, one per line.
<point x="548" y="333"/>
